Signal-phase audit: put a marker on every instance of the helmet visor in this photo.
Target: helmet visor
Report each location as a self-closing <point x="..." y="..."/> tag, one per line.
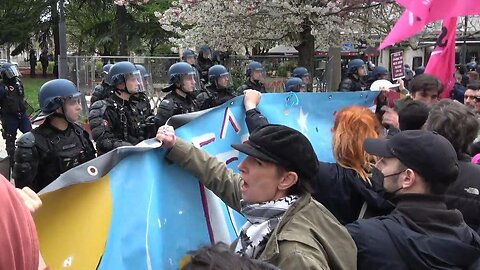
<point x="191" y="81"/>
<point x="224" y="81"/>
<point x="134" y="82"/>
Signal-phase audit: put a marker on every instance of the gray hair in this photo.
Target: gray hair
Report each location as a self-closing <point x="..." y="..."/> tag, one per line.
<point x="454" y="121"/>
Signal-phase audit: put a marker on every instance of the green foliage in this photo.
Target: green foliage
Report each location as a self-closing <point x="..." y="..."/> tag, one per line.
<point x="18" y="19"/>
<point x="286" y="68"/>
<point x="32" y="86"/>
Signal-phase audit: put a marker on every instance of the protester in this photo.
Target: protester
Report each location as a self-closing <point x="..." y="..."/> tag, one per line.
<point x="415" y="167"/>
<point x="426" y="88"/>
<point x="285" y="225"/>
<point x="458" y="89"/>
<point x="219" y="257"/>
<point x="459" y="124"/>
<point x="471" y="94"/>
<point x="344" y="187"/>
<point x="413" y="115"/>
<point x="18" y="240"/>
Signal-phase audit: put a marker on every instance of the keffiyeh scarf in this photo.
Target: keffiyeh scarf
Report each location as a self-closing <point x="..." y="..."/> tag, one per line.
<point x="262" y="219"/>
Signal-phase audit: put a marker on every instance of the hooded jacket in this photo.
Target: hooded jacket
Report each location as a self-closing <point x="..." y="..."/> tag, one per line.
<point x="421" y="233"/>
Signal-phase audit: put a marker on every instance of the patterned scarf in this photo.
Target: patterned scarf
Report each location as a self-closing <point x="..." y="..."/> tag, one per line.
<point x="262" y="219"/>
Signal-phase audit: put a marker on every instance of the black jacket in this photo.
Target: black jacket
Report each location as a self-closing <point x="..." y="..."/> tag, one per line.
<point x="211" y="97"/>
<point x="343" y="192"/>
<point x="351" y="83"/>
<point x="173" y="104"/>
<point x="339" y="189"/>
<point x="421" y="233"/>
<point x="464" y="193"/>
<point x="251" y="85"/>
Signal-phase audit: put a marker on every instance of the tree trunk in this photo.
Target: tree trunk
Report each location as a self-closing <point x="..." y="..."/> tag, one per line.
<point x="306" y="48"/>
<point x="122" y="29"/>
<point x="56" y="35"/>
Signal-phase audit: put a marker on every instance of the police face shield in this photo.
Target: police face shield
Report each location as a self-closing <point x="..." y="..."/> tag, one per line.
<point x="224" y="81"/>
<point x="72" y="107"/>
<point x="12" y="71"/>
<point x="190" y="82"/>
<point x="134" y="82"/>
<point x="258" y="74"/>
<point x="148" y="83"/>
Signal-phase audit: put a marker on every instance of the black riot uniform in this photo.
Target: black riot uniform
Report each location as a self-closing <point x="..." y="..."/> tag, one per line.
<point x="174" y="103"/>
<point x="215" y="94"/>
<point x="118" y="122"/>
<point x="46" y="152"/>
<point x="250" y="83"/>
<point x="13" y="107"/>
<point x="103" y="90"/>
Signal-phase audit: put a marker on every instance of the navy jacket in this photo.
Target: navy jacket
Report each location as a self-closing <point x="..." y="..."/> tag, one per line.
<point x="421" y="233"/>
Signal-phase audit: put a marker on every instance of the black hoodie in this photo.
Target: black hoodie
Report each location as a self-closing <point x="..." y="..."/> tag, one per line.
<point x="421" y="233"/>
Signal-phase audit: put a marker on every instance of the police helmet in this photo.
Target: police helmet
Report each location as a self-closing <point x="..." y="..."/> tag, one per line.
<point x="53" y="94"/>
<point x="294" y="84"/>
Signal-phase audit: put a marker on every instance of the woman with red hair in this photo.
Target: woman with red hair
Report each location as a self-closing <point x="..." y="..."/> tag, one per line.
<point x="345" y="187"/>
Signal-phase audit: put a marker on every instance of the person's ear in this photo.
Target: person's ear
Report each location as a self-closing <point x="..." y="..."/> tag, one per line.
<point x="289" y="179"/>
<point x="410" y="179"/>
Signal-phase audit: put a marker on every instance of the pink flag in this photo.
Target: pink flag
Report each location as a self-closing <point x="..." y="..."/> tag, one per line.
<point x="418" y="13"/>
<point x="433" y="10"/>
<point x="442" y="60"/>
<point x="406" y="26"/>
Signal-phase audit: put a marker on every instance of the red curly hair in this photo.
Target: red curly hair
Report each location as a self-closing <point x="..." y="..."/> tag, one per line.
<point x="352" y="126"/>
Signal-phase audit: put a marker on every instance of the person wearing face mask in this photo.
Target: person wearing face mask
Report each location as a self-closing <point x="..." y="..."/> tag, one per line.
<point x="285" y="226"/>
<point x="117" y="121"/>
<point x="58" y="144"/>
<point x="416" y="168"/>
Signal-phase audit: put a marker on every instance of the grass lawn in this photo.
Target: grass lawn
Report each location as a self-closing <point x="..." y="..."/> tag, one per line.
<point x="32" y="86"/>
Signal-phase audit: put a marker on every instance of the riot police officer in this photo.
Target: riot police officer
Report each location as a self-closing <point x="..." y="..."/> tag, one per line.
<point x="58" y="144"/>
<point x="255" y="73"/>
<point x="115" y="121"/>
<point x="141" y="101"/>
<point x="205" y="62"/>
<point x="188" y="56"/>
<point x="102" y="91"/>
<point x="180" y="99"/>
<point x="302" y="73"/>
<point x="295" y="84"/>
<point x="13" y="107"/>
<point x="218" y="89"/>
<point x="355" y="73"/>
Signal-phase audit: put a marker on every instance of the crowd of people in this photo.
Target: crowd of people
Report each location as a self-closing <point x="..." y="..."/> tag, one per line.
<point x="403" y="192"/>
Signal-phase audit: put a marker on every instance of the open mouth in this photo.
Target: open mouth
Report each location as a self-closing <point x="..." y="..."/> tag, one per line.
<point x="244" y="186"/>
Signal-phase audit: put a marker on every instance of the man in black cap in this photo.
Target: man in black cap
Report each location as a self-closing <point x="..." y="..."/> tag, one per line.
<point x="285" y="225"/>
<point x="416" y="168"/>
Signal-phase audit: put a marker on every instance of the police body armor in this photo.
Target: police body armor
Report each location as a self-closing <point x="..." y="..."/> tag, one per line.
<point x="212" y="97"/>
<point x="174" y="104"/>
<point x="260" y="87"/>
<point x="45" y="153"/>
<point x="14" y="99"/>
<point x="116" y="122"/>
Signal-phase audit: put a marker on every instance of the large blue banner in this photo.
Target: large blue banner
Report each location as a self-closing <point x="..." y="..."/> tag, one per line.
<point x="159" y="211"/>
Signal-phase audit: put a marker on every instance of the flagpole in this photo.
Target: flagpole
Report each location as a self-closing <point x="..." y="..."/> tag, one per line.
<point x="464" y="46"/>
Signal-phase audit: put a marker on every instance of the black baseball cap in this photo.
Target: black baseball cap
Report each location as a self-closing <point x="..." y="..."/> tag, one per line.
<point x="284" y="146"/>
<point x="426" y="152"/>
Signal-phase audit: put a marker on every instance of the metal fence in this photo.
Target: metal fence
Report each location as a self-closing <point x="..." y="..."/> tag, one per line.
<point x="86" y="71"/>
